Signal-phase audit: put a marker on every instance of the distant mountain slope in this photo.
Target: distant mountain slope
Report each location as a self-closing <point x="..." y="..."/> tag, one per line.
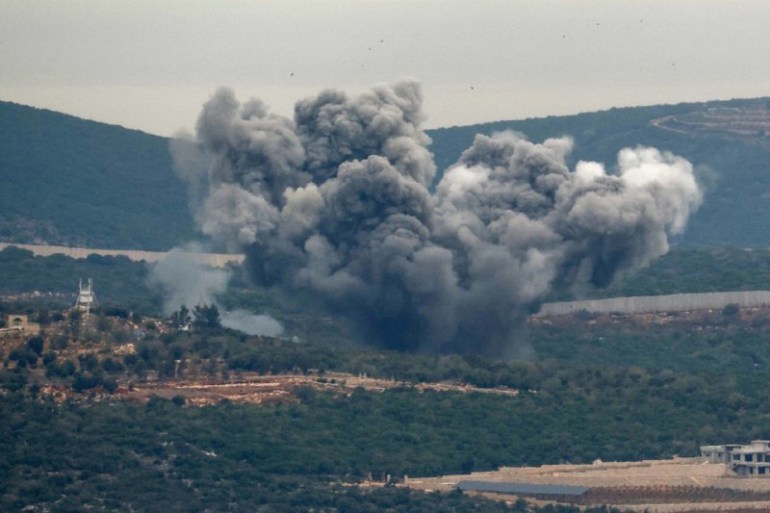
<point x="71" y="181"/>
<point x="75" y="182"/>
<point x="727" y="140"/>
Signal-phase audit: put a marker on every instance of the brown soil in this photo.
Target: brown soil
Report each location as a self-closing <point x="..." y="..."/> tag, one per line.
<point x="259" y="389"/>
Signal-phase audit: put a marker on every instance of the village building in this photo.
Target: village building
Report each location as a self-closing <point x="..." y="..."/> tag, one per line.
<point x="19" y="323"/>
<point x="752" y="460"/>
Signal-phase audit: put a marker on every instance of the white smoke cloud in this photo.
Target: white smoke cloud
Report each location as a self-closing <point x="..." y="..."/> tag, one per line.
<point x="251" y="324"/>
<point x="185" y="279"/>
<point x="337" y="202"/>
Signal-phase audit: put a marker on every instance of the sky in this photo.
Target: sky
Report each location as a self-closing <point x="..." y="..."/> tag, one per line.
<point x="150" y="65"/>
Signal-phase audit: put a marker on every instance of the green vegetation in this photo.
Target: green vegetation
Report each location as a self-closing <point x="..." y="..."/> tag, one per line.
<point x="204" y="316"/>
<point x="76" y="182"/>
<point x="611" y="389"/>
<point x="118" y="280"/>
<point x="607" y="389"/>
<point x="696" y="270"/>
<point x="600" y="392"/>
<point x="678" y="347"/>
<point x="113" y="454"/>
<point x="164" y="457"/>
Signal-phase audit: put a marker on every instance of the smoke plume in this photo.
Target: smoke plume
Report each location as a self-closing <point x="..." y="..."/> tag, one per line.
<point x="191" y="165"/>
<point x="186" y="280"/>
<point x="336" y="201"/>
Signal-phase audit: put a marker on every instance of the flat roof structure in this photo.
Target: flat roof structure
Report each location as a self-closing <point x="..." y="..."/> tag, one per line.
<point x="521" y="488"/>
<point x="745" y="460"/>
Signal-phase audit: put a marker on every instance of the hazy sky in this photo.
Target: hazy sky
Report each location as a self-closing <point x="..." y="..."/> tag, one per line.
<point x="151" y="64"/>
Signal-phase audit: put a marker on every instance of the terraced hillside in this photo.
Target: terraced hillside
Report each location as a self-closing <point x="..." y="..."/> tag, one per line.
<point x="751" y="121"/>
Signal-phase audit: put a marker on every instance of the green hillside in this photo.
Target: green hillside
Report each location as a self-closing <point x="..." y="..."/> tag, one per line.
<point x="70" y="181"/>
<point x="621" y="399"/>
<point x="77" y="182"/>
<point x="608" y="390"/>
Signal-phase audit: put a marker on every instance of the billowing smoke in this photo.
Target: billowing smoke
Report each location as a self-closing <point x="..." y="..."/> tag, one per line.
<point x="186" y="280"/>
<point x="337" y="202"/>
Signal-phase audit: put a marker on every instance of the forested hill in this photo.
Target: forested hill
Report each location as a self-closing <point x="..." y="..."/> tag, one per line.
<point x="75" y="182"/>
<point x="71" y="181"/>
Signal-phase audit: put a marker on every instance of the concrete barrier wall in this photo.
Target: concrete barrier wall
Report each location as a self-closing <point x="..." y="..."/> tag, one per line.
<point x="212" y="259"/>
<point x="669" y="303"/>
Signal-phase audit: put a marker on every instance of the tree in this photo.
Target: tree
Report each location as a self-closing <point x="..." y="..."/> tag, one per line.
<point x="43" y="316"/>
<point x="181" y="317"/>
<point x="35" y="344"/>
<point x="60" y="342"/>
<point x="730" y="310"/>
<point x="75" y="324"/>
<point x="206" y="316"/>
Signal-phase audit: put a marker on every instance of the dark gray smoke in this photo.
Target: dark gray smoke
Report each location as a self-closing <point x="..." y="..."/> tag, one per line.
<point x="337" y="202"/>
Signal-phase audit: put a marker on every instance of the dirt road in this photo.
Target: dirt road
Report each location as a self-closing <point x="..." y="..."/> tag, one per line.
<point x="257" y="389"/>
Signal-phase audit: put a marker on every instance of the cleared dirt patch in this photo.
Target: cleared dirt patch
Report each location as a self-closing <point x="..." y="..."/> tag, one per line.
<point x="259" y="389"/>
<point x="751" y="121"/>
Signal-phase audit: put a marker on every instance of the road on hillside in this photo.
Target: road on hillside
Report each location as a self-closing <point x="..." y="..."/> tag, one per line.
<point x="212" y="259"/>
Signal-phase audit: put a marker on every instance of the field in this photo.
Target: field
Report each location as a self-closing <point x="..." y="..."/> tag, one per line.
<point x="249" y="387"/>
<point x="680" y="484"/>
